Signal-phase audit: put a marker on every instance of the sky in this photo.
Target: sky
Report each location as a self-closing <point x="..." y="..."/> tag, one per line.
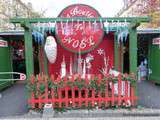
<point x="107" y="8"/>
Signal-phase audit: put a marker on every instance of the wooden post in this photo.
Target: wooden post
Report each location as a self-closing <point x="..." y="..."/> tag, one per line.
<point x="115" y="52"/>
<point x="133" y="48"/>
<point x="133" y="51"/>
<point x="45" y="62"/>
<point x="122" y="58"/>
<point x="28" y="51"/>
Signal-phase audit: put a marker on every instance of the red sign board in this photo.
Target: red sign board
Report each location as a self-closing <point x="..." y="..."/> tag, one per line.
<point x="156" y="41"/>
<point x="3" y="43"/>
<point x="77" y="35"/>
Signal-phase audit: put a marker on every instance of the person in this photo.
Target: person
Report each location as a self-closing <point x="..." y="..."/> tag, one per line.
<point x="142" y="71"/>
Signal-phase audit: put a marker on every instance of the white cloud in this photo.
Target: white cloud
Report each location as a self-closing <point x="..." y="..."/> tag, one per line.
<point x="106" y="8"/>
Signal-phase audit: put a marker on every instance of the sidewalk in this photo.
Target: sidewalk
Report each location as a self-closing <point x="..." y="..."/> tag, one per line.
<point x="138" y="112"/>
<point x="13" y="104"/>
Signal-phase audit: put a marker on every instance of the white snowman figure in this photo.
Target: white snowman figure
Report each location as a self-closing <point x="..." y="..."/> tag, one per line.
<point x="51" y="49"/>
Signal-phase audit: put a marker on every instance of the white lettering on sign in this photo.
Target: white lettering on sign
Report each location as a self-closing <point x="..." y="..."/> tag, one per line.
<point x="76" y="11"/>
<point x="156" y="41"/>
<point x="3" y="43"/>
<point x="79" y="35"/>
<point x="78" y="26"/>
<point x="82" y="44"/>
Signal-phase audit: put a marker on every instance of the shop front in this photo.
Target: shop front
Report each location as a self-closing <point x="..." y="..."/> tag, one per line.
<point x="81" y="45"/>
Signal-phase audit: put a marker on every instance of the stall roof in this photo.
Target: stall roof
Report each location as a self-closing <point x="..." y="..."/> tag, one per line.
<point x="20" y="33"/>
<point x="14" y="32"/>
<point x="148" y="31"/>
<point x="14" y="35"/>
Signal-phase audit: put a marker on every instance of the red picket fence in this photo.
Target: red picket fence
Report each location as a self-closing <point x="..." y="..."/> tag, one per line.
<point x="75" y="92"/>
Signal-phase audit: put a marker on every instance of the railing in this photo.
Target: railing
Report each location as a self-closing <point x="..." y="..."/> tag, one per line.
<point x="76" y="92"/>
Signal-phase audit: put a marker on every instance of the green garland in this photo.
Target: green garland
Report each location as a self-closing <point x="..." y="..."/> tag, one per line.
<point x="79" y="83"/>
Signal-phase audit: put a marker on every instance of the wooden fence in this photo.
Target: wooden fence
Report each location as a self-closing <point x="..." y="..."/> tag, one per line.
<point x="76" y="92"/>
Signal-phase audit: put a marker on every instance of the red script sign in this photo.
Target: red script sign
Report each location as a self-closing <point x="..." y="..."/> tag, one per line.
<point x="79" y="35"/>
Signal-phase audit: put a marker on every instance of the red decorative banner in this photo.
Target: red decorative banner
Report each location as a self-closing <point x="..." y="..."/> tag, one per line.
<point x="78" y="36"/>
<point x="3" y="43"/>
<point x="156" y="41"/>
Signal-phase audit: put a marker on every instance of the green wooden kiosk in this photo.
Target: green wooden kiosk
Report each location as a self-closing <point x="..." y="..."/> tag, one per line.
<point x="27" y="24"/>
<point x="154" y="60"/>
<point x="5" y="63"/>
<point x="130" y="25"/>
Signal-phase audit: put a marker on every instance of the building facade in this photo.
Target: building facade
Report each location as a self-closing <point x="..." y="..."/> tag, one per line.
<point x="14" y="8"/>
<point x="134" y="8"/>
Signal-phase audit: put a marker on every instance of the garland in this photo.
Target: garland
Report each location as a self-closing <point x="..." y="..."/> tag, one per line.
<point x="79" y="83"/>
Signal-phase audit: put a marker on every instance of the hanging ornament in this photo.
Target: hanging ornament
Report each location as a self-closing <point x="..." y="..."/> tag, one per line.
<point x="38" y="37"/>
<point x="72" y="27"/>
<point x="63" y="68"/>
<point x="67" y="30"/>
<point x="43" y="28"/>
<point x="84" y="69"/>
<point x="101" y="23"/>
<point x="50" y="48"/>
<point x="84" y="28"/>
<point x="107" y="26"/>
<point x="118" y="25"/>
<point x="56" y="27"/>
<point x="62" y="28"/>
<point x="49" y="27"/>
<point x="89" y="25"/>
<point x="125" y="22"/>
<point x="71" y="66"/>
<point x="95" y="26"/>
<point x="125" y="35"/>
<point x="39" y="26"/>
<point x="79" y="69"/>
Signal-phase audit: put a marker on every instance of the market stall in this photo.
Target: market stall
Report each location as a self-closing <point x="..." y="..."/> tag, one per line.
<point x="81" y="42"/>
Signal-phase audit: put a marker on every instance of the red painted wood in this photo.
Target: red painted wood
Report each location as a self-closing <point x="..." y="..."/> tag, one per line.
<point x="41" y="59"/>
<point x="132" y="96"/>
<point x="73" y="97"/>
<point x="52" y="97"/>
<point x="106" y="94"/>
<point x="32" y="100"/>
<point x="77" y="98"/>
<point x="119" y="90"/>
<point x="126" y="91"/>
<point x="99" y="99"/>
<point x="66" y="96"/>
<point x="86" y="97"/>
<point x="93" y="97"/>
<point x="60" y="97"/>
<point x="112" y="96"/>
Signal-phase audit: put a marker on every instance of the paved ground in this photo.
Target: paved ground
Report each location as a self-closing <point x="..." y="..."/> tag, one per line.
<point x="13" y="101"/>
<point x="101" y="118"/>
<point x="149" y="94"/>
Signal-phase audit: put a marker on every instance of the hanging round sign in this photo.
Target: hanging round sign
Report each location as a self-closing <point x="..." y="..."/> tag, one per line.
<point x="79" y="36"/>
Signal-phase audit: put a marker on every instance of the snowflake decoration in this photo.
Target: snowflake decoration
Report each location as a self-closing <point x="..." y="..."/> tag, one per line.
<point x="100" y="51"/>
